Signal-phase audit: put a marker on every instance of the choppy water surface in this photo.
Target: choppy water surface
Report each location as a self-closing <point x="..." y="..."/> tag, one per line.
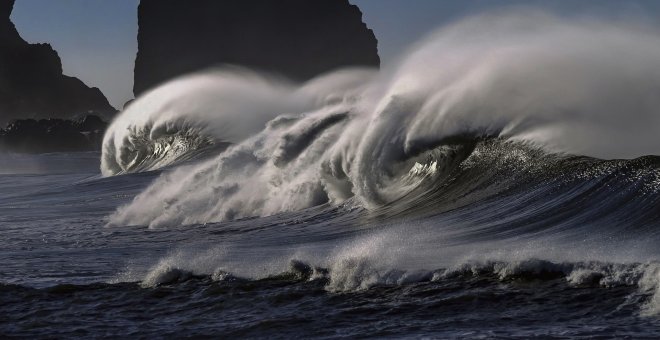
<point x="556" y="255"/>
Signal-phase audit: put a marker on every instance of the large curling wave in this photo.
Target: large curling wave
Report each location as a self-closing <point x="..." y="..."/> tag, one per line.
<point x="528" y="86"/>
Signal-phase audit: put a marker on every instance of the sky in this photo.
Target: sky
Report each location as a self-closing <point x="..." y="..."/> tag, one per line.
<point x="97" y="39"/>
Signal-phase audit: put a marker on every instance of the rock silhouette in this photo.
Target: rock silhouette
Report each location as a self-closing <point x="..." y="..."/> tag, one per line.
<point x="295" y="38"/>
<point x="53" y="135"/>
<point x="31" y="81"/>
<point x="298" y="39"/>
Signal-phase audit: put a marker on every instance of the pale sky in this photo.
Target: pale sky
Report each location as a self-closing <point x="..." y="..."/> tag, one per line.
<point x="96" y="39"/>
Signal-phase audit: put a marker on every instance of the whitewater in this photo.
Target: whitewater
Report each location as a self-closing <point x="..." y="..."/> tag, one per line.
<point x="502" y="179"/>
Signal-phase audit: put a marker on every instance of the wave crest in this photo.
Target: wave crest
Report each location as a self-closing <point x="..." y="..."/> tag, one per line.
<point x="564" y="86"/>
<point x="175" y="121"/>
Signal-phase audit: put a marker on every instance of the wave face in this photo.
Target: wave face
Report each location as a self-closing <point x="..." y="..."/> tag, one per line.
<point x="564" y="86"/>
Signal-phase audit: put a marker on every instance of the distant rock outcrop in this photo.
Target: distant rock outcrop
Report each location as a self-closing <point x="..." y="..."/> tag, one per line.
<point x="32" y="84"/>
<point x="296" y="38"/>
<point x="53" y="135"/>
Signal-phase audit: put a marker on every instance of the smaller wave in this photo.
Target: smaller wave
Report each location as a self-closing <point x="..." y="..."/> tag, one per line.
<point x="360" y="274"/>
<point x="166" y="275"/>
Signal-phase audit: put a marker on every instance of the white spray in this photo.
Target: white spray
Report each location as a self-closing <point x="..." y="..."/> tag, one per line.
<point x="576" y="86"/>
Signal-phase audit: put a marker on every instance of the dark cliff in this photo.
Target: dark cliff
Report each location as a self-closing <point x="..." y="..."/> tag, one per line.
<point x="31" y="81"/>
<point x="295" y="38"/>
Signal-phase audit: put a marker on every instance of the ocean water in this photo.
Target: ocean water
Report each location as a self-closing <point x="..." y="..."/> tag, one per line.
<point x="559" y="255"/>
<point x="490" y="185"/>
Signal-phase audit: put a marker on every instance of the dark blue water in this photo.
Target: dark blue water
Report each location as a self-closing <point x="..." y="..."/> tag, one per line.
<point x="558" y="247"/>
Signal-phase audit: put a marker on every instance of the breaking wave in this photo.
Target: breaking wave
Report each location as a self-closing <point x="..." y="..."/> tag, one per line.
<point x="352" y="273"/>
<point x="529" y="79"/>
<point x="208" y="110"/>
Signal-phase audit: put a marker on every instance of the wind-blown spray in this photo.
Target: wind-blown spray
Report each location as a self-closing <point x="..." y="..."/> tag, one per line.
<point x="578" y="86"/>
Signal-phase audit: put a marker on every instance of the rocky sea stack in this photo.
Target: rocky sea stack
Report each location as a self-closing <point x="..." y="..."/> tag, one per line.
<point x="295" y="38"/>
<point x="46" y="110"/>
<point x="53" y="135"/>
<point x="32" y="84"/>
